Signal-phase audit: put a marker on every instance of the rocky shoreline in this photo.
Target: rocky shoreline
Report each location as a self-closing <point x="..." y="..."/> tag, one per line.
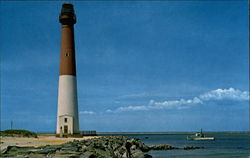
<point x="102" y="147"/>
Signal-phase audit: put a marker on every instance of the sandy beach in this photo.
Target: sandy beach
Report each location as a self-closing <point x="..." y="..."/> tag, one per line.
<point x="40" y="141"/>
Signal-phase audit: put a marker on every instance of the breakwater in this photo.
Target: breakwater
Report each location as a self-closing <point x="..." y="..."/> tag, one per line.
<point x="102" y="147"/>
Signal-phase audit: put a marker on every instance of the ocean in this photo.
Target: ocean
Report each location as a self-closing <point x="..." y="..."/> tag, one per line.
<point x="225" y="145"/>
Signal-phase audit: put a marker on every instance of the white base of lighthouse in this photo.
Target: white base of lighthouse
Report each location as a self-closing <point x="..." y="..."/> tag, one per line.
<point x="67" y="114"/>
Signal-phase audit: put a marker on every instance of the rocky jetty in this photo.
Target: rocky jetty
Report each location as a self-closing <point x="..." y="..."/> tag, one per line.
<point x="192" y="147"/>
<point x="162" y="147"/>
<point x="103" y="147"/>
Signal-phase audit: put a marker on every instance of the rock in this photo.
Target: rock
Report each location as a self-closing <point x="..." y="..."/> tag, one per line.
<point x="45" y="151"/>
<point x="72" y="148"/>
<point x="83" y="148"/>
<point x="120" y="152"/>
<point x="88" y="155"/>
<point x="4" y="151"/>
<point x="137" y="153"/>
<point x="148" y="156"/>
<point x="192" y="147"/>
<point x="133" y="147"/>
<point x="15" y="150"/>
<point x="65" y="154"/>
<point x="162" y="147"/>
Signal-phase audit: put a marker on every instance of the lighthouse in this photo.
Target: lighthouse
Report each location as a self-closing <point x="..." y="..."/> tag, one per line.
<point x="67" y="112"/>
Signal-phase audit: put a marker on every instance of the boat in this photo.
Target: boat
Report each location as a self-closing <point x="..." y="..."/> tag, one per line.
<point x="199" y="136"/>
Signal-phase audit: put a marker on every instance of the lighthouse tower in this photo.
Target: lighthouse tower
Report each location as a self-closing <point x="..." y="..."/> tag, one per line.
<point x="67" y="114"/>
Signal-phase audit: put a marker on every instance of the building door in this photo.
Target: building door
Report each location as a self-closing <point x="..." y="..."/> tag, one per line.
<point x="65" y="129"/>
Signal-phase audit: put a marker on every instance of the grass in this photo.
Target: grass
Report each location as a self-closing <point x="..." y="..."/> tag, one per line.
<point x="18" y="133"/>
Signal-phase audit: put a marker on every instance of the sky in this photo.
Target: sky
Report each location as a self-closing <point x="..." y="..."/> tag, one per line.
<point x="142" y="66"/>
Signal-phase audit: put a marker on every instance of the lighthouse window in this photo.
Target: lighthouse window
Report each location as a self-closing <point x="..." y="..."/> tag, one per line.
<point x="67" y="54"/>
<point x="65" y="120"/>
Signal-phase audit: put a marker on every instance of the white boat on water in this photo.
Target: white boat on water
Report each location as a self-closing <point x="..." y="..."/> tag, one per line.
<point x="199" y="136"/>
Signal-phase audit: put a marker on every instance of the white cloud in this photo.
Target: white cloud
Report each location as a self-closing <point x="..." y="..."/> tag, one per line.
<point x="129" y="108"/>
<point x="109" y="110"/>
<point x="218" y="94"/>
<point x="87" y="112"/>
<point x="133" y="108"/>
<point x="152" y="105"/>
<point x="175" y="103"/>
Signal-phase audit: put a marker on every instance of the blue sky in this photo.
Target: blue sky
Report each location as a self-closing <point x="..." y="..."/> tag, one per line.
<point x="141" y="65"/>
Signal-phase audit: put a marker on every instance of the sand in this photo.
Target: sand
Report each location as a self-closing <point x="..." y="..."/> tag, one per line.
<point x="40" y="141"/>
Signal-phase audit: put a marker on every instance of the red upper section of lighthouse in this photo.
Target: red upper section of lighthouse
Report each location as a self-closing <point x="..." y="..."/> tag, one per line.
<point x="67" y="57"/>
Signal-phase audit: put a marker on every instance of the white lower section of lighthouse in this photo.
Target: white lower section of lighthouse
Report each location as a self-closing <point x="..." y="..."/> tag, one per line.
<point x="67" y="114"/>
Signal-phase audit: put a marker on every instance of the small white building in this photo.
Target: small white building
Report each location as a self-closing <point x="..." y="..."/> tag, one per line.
<point x="66" y="124"/>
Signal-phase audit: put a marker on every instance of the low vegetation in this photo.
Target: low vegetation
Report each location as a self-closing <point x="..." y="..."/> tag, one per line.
<point x="18" y="133"/>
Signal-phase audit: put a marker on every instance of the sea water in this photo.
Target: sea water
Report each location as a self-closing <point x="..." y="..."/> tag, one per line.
<point x="225" y="145"/>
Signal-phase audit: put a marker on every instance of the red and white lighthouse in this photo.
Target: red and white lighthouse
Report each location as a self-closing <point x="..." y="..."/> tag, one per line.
<point x="67" y="114"/>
